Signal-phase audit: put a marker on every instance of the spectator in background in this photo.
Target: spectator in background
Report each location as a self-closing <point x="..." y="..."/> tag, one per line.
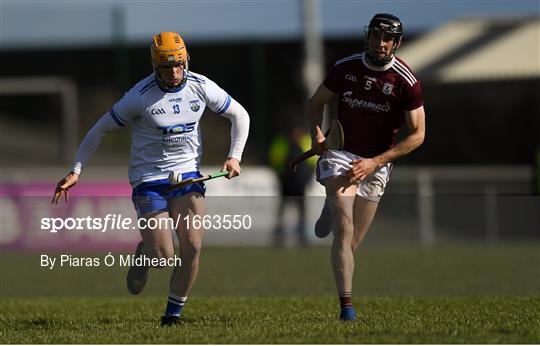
<point x="292" y="185"/>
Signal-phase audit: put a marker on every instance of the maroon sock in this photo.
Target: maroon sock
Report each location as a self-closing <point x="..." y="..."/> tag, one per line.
<point x="345" y="299"/>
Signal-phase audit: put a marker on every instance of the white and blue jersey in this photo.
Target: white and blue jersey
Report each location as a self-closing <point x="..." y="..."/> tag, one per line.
<point x="165" y="125"/>
<point x="166" y="135"/>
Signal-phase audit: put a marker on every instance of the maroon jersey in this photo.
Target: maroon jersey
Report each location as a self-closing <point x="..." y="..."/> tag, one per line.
<point x="372" y="102"/>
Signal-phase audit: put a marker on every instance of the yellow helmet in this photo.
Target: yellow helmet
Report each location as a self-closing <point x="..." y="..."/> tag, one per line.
<point x="168" y="48"/>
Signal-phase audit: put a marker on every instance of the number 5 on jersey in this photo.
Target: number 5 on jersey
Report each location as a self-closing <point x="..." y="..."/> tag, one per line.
<point x="368" y="84"/>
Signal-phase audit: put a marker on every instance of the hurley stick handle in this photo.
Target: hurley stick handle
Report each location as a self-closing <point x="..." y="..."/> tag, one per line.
<point x="294" y="163"/>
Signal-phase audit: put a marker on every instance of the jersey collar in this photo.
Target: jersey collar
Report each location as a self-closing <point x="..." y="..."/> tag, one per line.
<point x="171" y="90"/>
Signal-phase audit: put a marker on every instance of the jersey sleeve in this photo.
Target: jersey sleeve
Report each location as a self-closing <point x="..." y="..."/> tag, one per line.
<point x="92" y="140"/>
<point x="412" y="97"/>
<point x="334" y="78"/>
<point x="127" y="108"/>
<point x="217" y="99"/>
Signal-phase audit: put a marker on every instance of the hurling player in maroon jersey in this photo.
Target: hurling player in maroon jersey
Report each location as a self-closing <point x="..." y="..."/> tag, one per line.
<point x="377" y="93"/>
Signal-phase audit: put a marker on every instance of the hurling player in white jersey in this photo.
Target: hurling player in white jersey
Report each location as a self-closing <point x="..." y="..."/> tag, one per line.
<point x="164" y="110"/>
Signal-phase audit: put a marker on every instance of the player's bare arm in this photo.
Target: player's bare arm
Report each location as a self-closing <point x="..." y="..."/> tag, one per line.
<point x="416" y="125"/>
<point x="315" y="110"/>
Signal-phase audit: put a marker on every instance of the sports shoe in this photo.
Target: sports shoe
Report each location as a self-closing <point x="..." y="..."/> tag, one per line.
<point x="323" y="226"/>
<point x="169" y="320"/>
<point x="137" y="275"/>
<point x="347" y="314"/>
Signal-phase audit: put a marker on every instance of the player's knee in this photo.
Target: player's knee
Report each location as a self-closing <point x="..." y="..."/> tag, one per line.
<point x="343" y="241"/>
<point x="343" y="227"/>
<point x="152" y="251"/>
<point x="166" y="253"/>
<point x="346" y="224"/>
<point x="192" y="250"/>
<point x="161" y="253"/>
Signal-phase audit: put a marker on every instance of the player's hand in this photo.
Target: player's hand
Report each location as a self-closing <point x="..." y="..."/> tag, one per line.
<point x="63" y="186"/>
<point x="233" y="166"/>
<point x="317" y="142"/>
<point x="361" y="169"/>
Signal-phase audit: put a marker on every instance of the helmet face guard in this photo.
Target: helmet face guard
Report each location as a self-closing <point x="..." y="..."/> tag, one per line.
<point x="168" y="49"/>
<point x="387" y="26"/>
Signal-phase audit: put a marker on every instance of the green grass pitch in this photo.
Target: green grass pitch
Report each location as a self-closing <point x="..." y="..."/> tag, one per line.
<point x="403" y="294"/>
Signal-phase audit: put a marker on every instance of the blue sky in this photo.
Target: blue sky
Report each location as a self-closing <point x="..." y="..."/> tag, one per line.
<point x="60" y="23"/>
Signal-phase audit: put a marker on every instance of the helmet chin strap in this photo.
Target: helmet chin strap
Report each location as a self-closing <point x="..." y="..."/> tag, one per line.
<point x="378" y="61"/>
<point x="375" y="60"/>
<point x="173" y="87"/>
<point x="168" y="86"/>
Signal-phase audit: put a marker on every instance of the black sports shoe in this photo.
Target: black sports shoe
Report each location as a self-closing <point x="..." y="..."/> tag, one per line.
<point x="137" y="276"/>
<point x="323" y="226"/>
<point x="169" y="320"/>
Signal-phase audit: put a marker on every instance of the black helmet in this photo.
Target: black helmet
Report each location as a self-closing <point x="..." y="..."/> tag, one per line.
<point x="388" y="24"/>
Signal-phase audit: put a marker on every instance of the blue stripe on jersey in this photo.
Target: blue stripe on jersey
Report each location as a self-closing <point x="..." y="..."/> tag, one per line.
<point x="148" y="87"/>
<point x="195" y="79"/>
<point x="116" y="118"/>
<point x="226" y="105"/>
<point x="120" y="116"/>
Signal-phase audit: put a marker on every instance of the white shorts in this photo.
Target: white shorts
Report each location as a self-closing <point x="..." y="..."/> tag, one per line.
<point x="337" y="163"/>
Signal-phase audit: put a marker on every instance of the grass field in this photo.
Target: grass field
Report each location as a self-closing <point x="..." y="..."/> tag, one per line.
<point x="404" y="294"/>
